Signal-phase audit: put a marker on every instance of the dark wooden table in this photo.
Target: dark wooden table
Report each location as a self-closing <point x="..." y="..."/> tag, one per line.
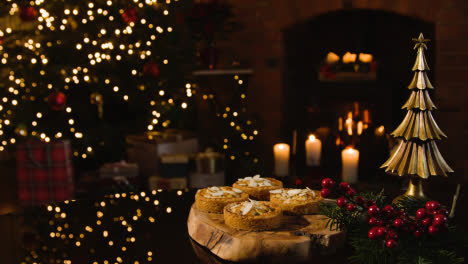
<point x="145" y="227"/>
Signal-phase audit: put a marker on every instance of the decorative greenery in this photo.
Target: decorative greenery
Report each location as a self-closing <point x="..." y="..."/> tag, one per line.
<point x="443" y="247"/>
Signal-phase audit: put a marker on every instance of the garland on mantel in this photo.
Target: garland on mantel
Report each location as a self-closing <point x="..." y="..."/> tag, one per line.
<point x="412" y="231"/>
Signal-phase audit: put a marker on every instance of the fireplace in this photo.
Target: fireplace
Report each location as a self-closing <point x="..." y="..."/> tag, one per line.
<point x="312" y="103"/>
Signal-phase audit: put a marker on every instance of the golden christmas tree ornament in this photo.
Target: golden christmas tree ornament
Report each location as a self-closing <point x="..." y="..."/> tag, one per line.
<point x="417" y="156"/>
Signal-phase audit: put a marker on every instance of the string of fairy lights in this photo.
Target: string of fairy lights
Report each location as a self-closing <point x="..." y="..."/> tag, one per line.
<point x="242" y="128"/>
<point x="104" y="34"/>
<point x="108" y="233"/>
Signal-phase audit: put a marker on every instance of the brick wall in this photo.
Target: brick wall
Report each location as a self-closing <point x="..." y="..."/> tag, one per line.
<point x="262" y="44"/>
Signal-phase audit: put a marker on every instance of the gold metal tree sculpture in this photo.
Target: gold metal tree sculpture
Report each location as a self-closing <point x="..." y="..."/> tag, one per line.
<point x="417" y="156"/>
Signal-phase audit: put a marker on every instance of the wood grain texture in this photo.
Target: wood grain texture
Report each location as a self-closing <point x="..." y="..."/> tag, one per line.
<point x="298" y="239"/>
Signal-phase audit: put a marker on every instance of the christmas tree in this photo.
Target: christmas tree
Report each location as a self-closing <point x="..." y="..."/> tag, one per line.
<point x="94" y="71"/>
<point x="418" y="155"/>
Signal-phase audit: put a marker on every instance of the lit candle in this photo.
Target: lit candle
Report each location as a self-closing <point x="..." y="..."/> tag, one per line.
<point x="281" y="153"/>
<point x="350" y="159"/>
<point x="313" y="147"/>
<point x="349" y="126"/>
<point x="340" y="124"/>
<point x="380" y="131"/>
<point x="359" y="127"/>
<point x="365" y="116"/>
<point x="349" y="57"/>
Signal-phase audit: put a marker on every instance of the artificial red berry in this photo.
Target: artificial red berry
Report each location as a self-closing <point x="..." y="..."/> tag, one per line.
<point x="432" y="205"/>
<point x="391" y="234"/>
<point x="427" y="222"/>
<point x="403" y="214"/>
<point x="298" y="182"/>
<point x="359" y="200"/>
<point x="328" y="183"/>
<point x="418" y="233"/>
<point x="388" y="210"/>
<point x="344" y="186"/>
<point x="373" y="221"/>
<point x="372" y="234"/>
<point x="373" y="210"/>
<point x="443" y="211"/>
<point x="398" y="222"/>
<point x="413" y="227"/>
<point x="370" y="202"/>
<point x="351" y="207"/>
<point x="351" y="192"/>
<point x="380" y="231"/>
<point x="341" y="202"/>
<point x="440" y="219"/>
<point x="325" y="193"/>
<point x="433" y="230"/>
<point x="421" y="213"/>
<point x="391" y="243"/>
<point x="431" y="212"/>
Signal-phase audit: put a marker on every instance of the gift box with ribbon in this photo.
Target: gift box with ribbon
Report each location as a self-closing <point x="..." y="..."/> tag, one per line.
<point x="44" y="172"/>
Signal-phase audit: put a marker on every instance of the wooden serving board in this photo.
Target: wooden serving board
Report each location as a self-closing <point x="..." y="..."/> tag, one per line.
<point x="298" y="239"/>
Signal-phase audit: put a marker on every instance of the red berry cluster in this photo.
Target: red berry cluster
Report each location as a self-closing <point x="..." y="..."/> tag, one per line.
<point x="432" y="219"/>
<point x="347" y="199"/>
<point x="387" y="222"/>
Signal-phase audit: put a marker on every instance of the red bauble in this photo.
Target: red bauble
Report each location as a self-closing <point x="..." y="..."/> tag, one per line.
<point x="432" y="205"/>
<point x="427" y="222"/>
<point x="443" y="211"/>
<point x="27" y="13"/>
<point x="391" y="243"/>
<point x="440" y="219"/>
<point x="388" y="210"/>
<point x="341" y="202"/>
<point x="373" y="210"/>
<point x="359" y="200"/>
<point x="418" y="233"/>
<point x="351" y="192"/>
<point x="372" y="234"/>
<point x="381" y="231"/>
<point x="351" y="207"/>
<point x="328" y="183"/>
<point x="151" y="69"/>
<point x="129" y="15"/>
<point x="325" y="193"/>
<point x="421" y="213"/>
<point x="57" y="100"/>
<point x="344" y="186"/>
<point x="433" y="230"/>
<point x="398" y="222"/>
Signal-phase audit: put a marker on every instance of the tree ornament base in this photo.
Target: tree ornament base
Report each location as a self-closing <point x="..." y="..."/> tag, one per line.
<point x="415" y="190"/>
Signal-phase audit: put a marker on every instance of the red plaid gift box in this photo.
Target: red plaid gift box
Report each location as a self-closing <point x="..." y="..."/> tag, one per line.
<point x="44" y="172"/>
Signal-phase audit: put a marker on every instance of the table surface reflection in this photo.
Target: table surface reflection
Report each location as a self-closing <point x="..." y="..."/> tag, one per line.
<point x="143" y="227"/>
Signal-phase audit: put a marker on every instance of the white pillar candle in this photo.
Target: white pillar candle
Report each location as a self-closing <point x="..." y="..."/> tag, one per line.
<point x="281" y="153"/>
<point x="359" y="127"/>
<point x="350" y="159"/>
<point x="349" y="126"/>
<point x="313" y="147"/>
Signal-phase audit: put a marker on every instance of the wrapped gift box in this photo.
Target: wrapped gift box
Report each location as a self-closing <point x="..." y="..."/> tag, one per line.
<point x="118" y="169"/>
<point x="147" y="149"/>
<point x="174" y="166"/>
<point x="156" y="182"/>
<point x="209" y="170"/>
<point x="44" y="172"/>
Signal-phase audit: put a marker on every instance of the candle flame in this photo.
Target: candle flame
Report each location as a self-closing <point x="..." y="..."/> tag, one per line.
<point x="350" y="149"/>
<point x="312" y="137"/>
